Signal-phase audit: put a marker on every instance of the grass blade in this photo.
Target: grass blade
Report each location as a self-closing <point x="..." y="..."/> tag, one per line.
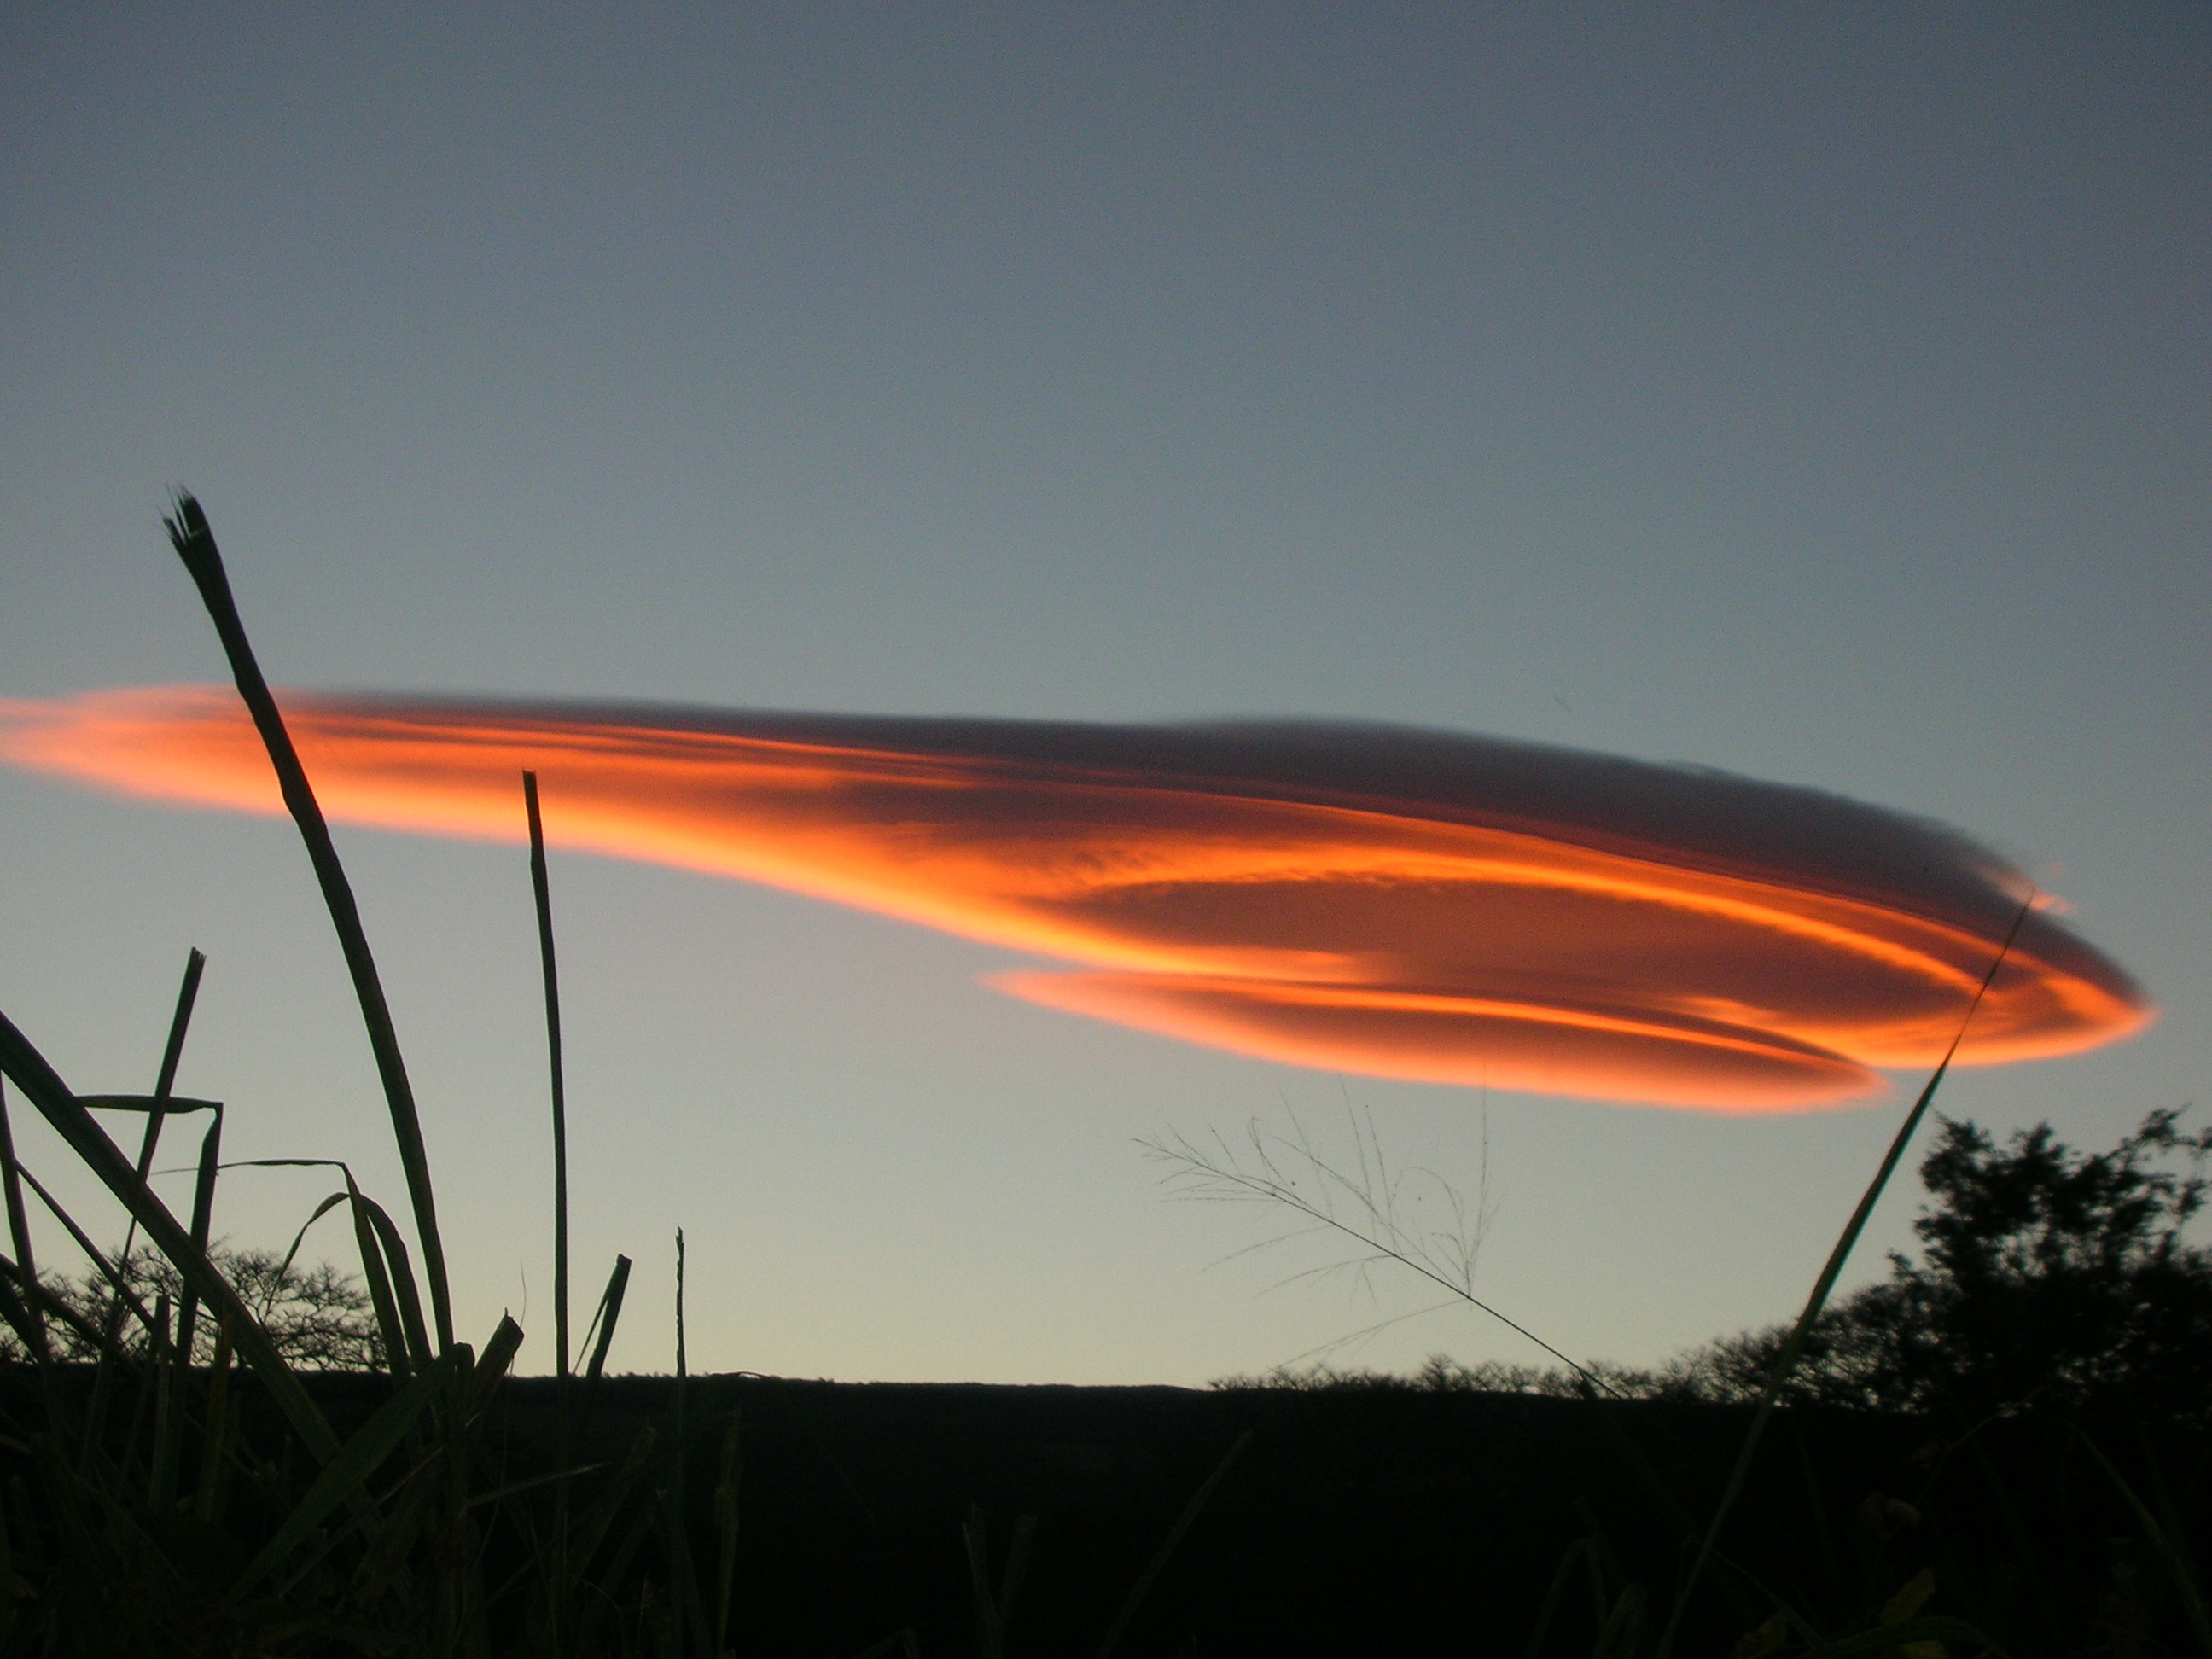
<point x="378" y="1276"/>
<point x="2176" y="1559"/>
<point x="540" y="887"/>
<point x="169" y="1426"/>
<point x="1889" y="1640"/>
<point x="1794" y="1348"/>
<point x="12" y="1309"/>
<point x="168" y="1421"/>
<point x="173" y="1053"/>
<point x="383" y="1259"/>
<point x="19" y="1229"/>
<point x="726" y="1528"/>
<point x="1552" y="1596"/>
<point x="202" y="1223"/>
<point x="207" y="1497"/>
<point x="995" y="1613"/>
<point x="591" y="1532"/>
<point x="541" y="890"/>
<point x="299" y="1238"/>
<point x="617" y="1572"/>
<point x="195" y="545"/>
<point x="345" y="1475"/>
<point x="159" y="1105"/>
<point x="1138" y="1591"/>
<point x="409" y="1300"/>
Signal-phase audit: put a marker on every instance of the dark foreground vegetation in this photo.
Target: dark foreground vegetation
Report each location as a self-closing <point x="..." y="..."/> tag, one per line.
<point x="1999" y="1449"/>
<point x="1971" y="1436"/>
<point x="1355" y="1520"/>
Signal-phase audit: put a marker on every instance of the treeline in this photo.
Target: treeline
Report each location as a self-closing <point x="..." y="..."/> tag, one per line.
<point x="2048" y="1278"/>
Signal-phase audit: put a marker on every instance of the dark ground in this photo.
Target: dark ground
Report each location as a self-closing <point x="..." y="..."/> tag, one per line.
<point x="1356" y="1521"/>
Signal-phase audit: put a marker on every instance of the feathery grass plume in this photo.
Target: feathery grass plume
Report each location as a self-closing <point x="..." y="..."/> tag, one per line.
<point x="194" y="545"/>
<point x="1364" y="1203"/>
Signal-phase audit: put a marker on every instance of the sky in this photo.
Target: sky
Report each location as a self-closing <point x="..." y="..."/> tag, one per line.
<point x="1816" y="394"/>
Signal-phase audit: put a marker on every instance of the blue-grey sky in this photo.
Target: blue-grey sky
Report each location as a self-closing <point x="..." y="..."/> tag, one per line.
<point x="1815" y="392"/>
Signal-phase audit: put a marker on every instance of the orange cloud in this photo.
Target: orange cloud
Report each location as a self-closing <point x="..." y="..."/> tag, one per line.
<point x="1369" y="899"/>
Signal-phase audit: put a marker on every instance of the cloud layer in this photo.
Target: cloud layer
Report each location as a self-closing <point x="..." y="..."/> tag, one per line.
<point x="1365" y="898"/>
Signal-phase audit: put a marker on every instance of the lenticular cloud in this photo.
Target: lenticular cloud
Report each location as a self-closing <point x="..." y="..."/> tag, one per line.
<point x="1362" y="898"/>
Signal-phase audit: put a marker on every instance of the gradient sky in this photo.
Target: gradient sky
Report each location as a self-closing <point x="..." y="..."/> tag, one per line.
<point x="1818" y="393"/>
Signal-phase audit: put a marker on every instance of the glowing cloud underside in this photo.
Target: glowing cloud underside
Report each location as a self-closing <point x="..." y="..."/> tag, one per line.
<point x="1368" y="899"/>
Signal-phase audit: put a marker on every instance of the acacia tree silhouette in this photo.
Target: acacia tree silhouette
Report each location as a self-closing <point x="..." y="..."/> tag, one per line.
<point x="318" y="1316"/>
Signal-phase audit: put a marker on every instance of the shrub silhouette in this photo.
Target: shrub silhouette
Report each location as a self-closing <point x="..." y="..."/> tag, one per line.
<point x="2050" y="1279"/>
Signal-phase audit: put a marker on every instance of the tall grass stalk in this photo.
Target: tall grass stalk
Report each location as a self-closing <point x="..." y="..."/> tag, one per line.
<point x="541" y="890"/>
<point x="2172" y="1551"/>
<point x="686" y="1620"/>
<point x="196" y="545"/>
<point x="172" y="1054"/>
<point x="1153" y="1568"/>
<point x="1794" y="1348"/>
<point x="148" y="1140"/>
<point x="19" y="1233"/>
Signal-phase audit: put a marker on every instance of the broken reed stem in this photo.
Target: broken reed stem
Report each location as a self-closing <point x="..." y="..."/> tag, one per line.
<point x="610" y="1310"/>
<point x="195" y="544"/>
<point x="684" y="1587"/>
<point x="1793" y="1349"/>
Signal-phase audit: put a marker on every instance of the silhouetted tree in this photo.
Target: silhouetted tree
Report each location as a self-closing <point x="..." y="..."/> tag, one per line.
<point x="319" y="1317"/>
<point x="2049" y="1278"/>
